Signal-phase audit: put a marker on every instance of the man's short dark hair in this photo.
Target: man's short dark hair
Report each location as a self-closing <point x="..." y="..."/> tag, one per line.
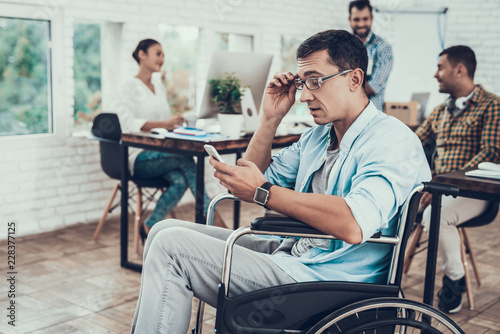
<point x="346" y="50"/>
<point x="360" y="5"/>
<point x="461" y="54"/>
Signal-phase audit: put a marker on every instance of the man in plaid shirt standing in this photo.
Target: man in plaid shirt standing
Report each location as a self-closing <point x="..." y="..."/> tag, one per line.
<point x="465" y="130"/>
<point x="379" y="51"/>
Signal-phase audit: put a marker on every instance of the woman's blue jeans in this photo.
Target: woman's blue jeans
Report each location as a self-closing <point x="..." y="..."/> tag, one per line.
<point x="178" y="170"/>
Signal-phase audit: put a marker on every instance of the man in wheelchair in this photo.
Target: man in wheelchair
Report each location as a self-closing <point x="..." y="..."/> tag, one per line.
<point x="346" y="177"/>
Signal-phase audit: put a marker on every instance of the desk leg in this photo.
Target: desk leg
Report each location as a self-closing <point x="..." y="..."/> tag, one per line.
<point x="200" y="190"/>
<point x="236" y="204"/>
<point x="124" y="211"/>
<point x="124" y="262"/>
<point x="430" y="269"/>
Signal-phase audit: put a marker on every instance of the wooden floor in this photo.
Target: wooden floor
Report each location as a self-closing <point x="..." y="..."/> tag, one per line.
<point x="67" y="283"/>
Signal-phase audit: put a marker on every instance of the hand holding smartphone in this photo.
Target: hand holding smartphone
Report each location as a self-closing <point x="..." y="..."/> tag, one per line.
<point x="213" y="152"/>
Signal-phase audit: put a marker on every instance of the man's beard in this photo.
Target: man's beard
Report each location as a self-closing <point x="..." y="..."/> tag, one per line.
<point x="363" y="35"/>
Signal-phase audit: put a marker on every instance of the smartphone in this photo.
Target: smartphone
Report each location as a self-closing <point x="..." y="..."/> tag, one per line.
<point x="212" y="152"/>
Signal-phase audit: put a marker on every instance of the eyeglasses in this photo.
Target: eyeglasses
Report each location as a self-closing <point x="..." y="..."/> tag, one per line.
<point x="315" y="83"/>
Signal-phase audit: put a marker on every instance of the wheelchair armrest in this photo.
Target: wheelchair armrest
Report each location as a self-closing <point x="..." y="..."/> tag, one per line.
<point x="214" y="203"/>
<point x="288" y="225"/>
<point x="282" y="224"/>
<point x="441" y="188"/>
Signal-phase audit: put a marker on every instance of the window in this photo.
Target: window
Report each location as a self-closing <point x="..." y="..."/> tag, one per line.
<point x="180" y="44"/>
<point x="289" y="47"/>
<point x="415" y="51"/>
<point x="87" y="74"/>
<point x="25" y="77"/>
<point x="234" y="42"/>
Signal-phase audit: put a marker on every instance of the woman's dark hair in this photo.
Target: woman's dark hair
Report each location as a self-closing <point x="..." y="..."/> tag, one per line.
<point x="346" y="51"/>
<point x="143" y="45"/>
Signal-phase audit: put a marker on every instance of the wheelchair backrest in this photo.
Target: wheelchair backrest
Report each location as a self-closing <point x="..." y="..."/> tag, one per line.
<point x="407" y="214"/>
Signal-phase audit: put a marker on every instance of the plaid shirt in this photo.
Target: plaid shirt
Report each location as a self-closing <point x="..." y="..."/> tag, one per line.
<point x="380" y="56"/>
<point x="471" y="137"/>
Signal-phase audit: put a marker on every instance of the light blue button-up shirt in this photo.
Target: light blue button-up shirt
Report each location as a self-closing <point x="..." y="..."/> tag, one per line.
<point x="380" y="161"/>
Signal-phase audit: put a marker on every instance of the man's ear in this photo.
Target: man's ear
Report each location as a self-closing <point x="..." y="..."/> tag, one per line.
<point x="357" y="77"/>
<point x="461" y="70"/>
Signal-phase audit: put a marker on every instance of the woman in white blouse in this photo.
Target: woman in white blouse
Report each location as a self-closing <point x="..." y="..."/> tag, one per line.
<point x="144" y="106"/>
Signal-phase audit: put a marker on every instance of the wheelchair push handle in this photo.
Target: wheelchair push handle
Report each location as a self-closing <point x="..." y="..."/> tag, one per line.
<point x="441" y="188"/>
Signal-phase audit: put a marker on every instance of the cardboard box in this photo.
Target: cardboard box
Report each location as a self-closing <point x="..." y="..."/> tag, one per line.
<point x="406" y="112"/>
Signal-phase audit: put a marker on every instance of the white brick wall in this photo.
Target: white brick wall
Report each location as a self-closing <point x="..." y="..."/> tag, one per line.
<point x="473" y="23"/>
<point x="47" y="183"/>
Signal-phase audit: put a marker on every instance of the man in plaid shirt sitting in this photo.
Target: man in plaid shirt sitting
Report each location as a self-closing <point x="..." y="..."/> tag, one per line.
<point x="465" y="130"/>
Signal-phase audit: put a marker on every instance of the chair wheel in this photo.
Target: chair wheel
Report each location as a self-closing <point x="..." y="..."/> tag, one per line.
<point x="386" y="315"/>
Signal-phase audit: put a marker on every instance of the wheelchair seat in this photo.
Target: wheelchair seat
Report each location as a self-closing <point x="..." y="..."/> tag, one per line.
<point x="314" y="307"/>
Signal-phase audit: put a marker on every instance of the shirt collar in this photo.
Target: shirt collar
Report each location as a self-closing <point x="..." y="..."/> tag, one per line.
<point x="357" y="127"/>
<point x="371" y="35"/>
<point x="477" y="93"/>
<point x="468" y="97"/>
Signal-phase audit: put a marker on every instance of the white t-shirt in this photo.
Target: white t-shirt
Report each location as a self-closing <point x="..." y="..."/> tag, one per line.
<point x="137" y="105"/>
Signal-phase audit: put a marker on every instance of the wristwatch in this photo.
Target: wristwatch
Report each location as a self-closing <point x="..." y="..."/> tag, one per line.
<point x="262" y="194"/>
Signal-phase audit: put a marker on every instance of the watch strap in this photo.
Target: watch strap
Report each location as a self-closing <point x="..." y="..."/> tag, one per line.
<point x="266" y="185"/>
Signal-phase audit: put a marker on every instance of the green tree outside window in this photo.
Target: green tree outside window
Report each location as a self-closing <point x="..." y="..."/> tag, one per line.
<point x="87" y="73"/>
<point x="24" y="77"/>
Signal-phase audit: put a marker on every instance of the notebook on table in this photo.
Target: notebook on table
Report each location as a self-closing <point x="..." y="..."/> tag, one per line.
<point x="488" y="170"/>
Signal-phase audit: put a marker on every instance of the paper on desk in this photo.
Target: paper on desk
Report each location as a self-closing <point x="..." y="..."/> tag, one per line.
<point x="486" y="170"/>
<point x="490" y="174"/>
<point x="190" y="131"/>
<point x="209" y="137"/>
<point x="489" y="166"/>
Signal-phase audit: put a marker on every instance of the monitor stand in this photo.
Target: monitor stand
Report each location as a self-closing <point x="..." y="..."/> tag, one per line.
<point x="249" y="111"/>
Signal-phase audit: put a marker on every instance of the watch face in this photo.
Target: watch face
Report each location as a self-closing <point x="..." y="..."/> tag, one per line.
<point x="261" y="196"/>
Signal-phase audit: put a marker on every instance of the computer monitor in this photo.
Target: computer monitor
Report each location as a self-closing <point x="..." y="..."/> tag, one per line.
<point x="252" y="69"/>
<point x="422" y="99"/>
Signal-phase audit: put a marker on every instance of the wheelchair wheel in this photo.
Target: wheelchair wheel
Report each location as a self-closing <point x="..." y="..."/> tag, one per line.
<point x="386" y="315"/>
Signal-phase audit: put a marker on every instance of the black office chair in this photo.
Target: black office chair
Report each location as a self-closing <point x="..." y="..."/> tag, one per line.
<point x="416" y="242"/>
<point x="106" y="128"/>
<point x="326" y="307"/>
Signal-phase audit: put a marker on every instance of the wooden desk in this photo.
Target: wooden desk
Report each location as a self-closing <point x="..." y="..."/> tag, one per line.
<point x="472" y="187"/>
<point x="185" y="147"/>
<point x="468" y="186"/>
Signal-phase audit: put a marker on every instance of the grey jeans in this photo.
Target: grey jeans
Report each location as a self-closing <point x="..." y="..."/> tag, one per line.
<point x="182" y="260"/>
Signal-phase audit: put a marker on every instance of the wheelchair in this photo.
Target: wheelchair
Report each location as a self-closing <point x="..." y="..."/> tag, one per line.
<point x="324" y="306"/>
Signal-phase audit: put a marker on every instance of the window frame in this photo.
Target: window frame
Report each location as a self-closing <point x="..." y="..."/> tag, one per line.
<point x="248" y="30"/>
<point x="208" y="36"/>
<point x="102" y="27"/>
<point x="198" y="55"/>
<point x="57" y="96"/>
